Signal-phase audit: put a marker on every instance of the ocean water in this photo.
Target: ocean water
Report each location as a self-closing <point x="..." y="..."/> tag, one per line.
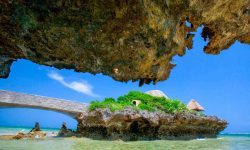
<point x="14" y="130"/>
<point x="223" y="142"/>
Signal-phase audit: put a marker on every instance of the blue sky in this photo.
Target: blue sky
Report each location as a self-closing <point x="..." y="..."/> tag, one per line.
<point x="220" y="83"/>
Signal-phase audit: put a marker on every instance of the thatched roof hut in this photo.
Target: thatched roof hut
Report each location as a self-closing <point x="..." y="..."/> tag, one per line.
<point x="194" y="105"/>
<point x="156" y="93"/>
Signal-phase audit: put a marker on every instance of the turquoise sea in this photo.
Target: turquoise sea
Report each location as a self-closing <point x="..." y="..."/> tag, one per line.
<point x="223" y="142"/>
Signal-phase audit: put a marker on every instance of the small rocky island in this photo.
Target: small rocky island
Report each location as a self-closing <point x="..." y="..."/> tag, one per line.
<point x="147" y="116"/>
<point x="133" y="116"/>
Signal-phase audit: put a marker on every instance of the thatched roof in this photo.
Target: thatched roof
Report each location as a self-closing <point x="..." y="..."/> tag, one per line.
<point x="194" y="105"/>
<point x="156" y="93"/>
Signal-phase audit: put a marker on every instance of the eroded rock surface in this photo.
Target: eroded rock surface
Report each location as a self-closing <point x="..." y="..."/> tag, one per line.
<point x="125" y="39"/>
<point x="129" y="124"/>
<point x="65" y="132"/>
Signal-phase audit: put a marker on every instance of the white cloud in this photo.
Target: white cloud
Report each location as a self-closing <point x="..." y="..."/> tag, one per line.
<point x="79" y="86"/>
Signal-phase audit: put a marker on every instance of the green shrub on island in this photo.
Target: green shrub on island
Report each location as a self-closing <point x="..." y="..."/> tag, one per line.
<point x="148" y="102"/>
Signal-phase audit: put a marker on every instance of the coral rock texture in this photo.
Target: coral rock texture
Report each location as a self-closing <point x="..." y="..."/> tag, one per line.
<point x="125" y="39"/>
<point x="129" y="124"/>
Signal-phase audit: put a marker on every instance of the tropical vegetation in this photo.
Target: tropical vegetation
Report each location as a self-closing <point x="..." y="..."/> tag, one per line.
<point x="148" y="102"/>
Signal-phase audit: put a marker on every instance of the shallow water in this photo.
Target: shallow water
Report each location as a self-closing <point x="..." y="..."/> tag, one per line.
<point x="14" y="130"/>
<point x="223" y="142"/>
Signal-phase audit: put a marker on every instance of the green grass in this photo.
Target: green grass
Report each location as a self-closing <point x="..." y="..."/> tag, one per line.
<point x="148" y="102"/>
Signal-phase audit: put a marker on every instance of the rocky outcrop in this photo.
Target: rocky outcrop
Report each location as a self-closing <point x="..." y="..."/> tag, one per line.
<point x="130" y="124"/>
<point x="30" y="135"/>
<point x="35" y="133"/>
<point x="125" y="39"/>
<point x="36" y="128"/>
<point x="65" y="132"/>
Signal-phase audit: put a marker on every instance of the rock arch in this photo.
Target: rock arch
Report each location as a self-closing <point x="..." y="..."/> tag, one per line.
<point x="13" y="99"/>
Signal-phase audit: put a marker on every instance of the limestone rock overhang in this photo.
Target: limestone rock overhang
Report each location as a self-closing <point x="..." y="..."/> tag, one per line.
<point x="125" y="39"/>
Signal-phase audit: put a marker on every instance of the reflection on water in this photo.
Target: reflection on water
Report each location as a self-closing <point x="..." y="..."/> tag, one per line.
<point x="224" y="142"/>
